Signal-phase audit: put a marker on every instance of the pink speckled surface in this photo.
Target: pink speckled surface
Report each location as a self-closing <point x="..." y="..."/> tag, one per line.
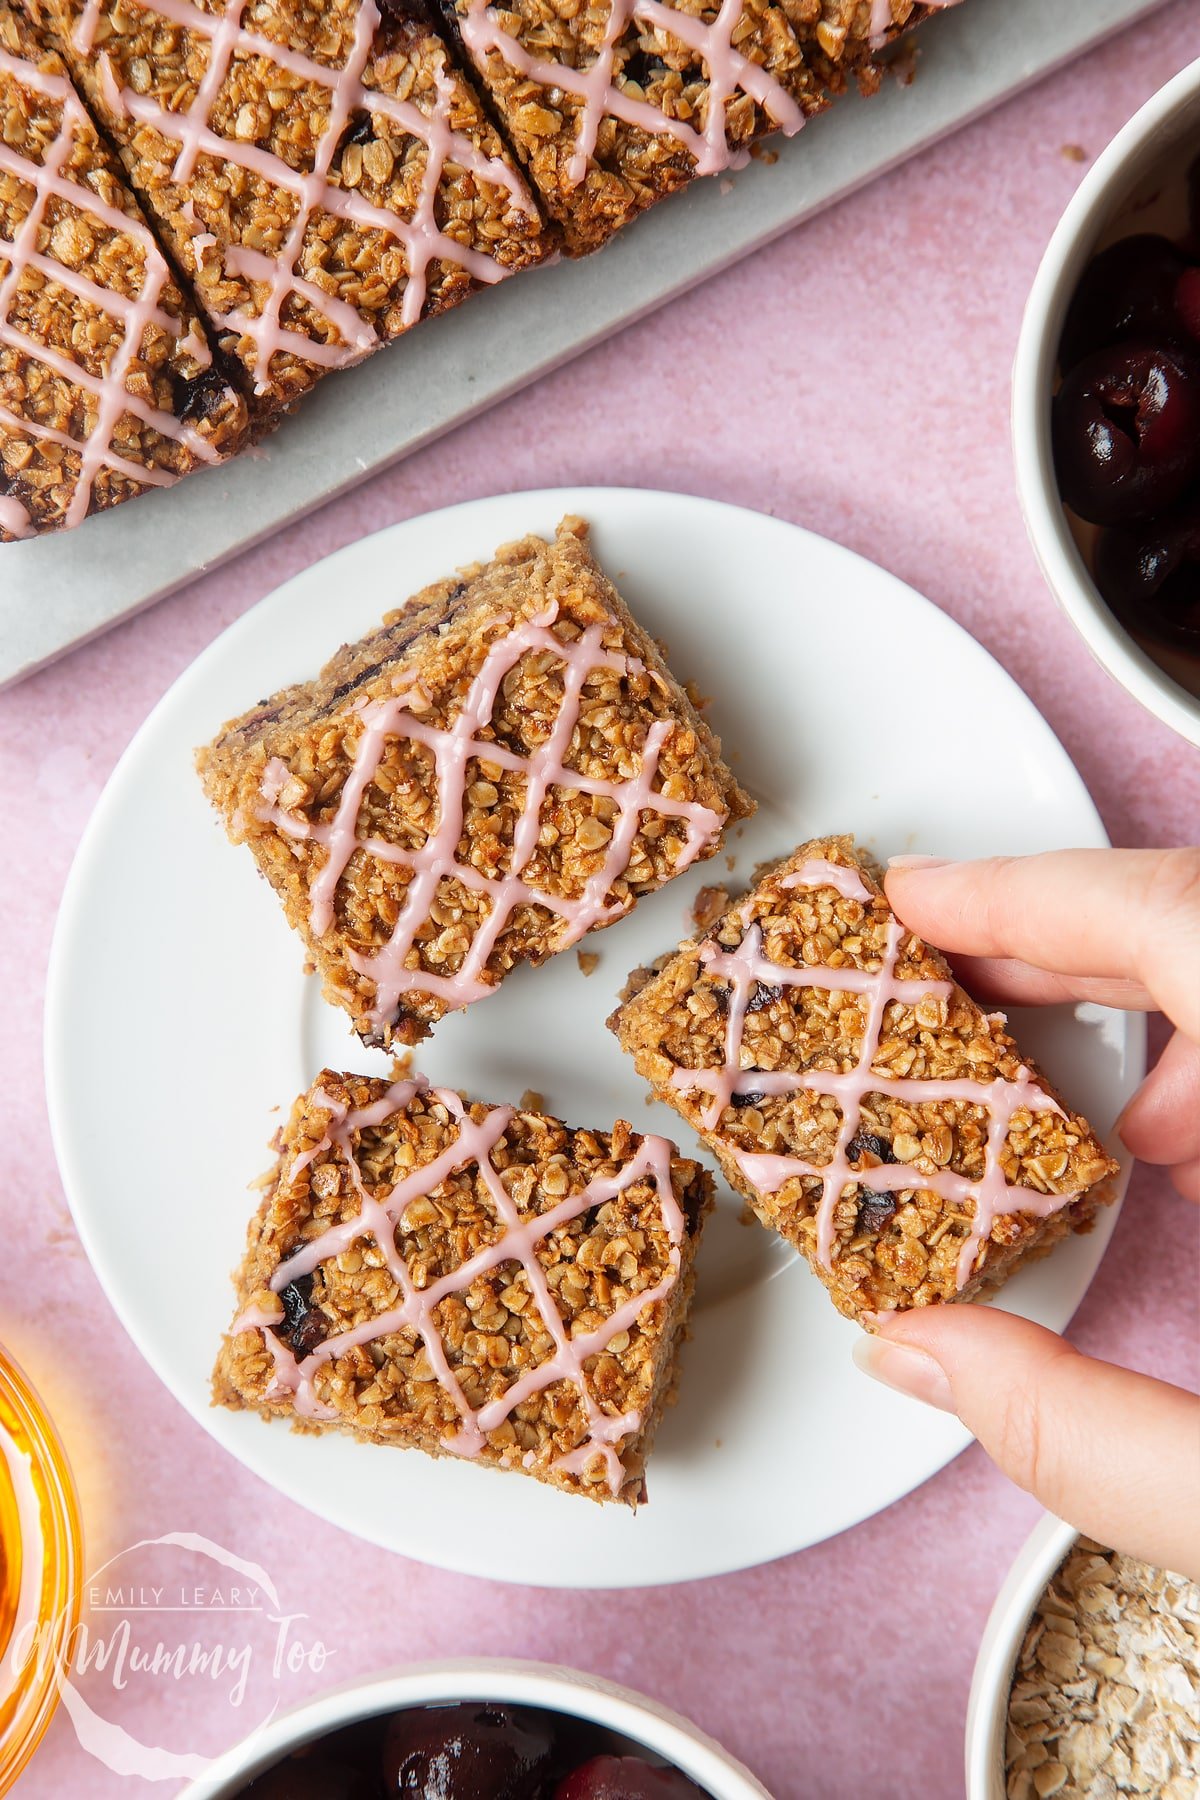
<point x="862" y="366"/>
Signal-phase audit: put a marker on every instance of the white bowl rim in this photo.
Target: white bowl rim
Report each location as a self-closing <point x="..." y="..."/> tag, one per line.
<point x="502" y="1679"/>
<point x="1044" y="1551"/>
<point x="1033" y="370"/>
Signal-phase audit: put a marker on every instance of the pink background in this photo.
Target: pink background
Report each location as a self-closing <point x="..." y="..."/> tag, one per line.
<point x="861" y="366"/>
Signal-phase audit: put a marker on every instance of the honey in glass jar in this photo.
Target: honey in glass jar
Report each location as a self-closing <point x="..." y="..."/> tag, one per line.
<point x="40" y="1567"/>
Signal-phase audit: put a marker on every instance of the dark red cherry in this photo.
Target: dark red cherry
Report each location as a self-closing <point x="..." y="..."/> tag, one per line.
<point x="1193" y="181"/>
<point x="471" y="1752"/>
<point x="625" y="1778"/>
<point x="321" y="1774"/>
<point x="1187" y="302"/>
<point x="1126" y="432"/>
<point x="1151" y="577"/>
<point x="1128" y="291"/>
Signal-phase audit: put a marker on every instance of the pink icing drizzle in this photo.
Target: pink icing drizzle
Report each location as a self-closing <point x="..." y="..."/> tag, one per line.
<point x="135" y="315"/>
<point x="423" y="240"/>
<point x="192" y="344"/>
<point x="728" y="71"/>
<point x="516" y="1243"/>
<point x="13" y="517"/>
<point x="436" y="859"/>
<point x="744" y="968"/>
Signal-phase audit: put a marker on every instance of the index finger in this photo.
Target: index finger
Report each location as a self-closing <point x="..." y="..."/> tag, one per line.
<point x="1016" y="983"/>
<point x="1118" y="914"/>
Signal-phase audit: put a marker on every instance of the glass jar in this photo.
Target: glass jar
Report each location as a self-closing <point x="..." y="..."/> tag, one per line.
<point x="41" y="1550"/>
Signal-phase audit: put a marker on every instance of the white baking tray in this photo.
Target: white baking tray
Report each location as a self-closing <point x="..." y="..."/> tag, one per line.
<point x="59" y="591"/>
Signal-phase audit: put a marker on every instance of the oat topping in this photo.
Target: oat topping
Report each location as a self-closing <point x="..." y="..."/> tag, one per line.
<point x="437" y="860"/>
<point x="753" y="981"/>
<point x="708" y="906"/>
<point x="883" y="17"/>
<point x="1105" y="1698"/>
<point x="106" y="379"/>
<point x="515" y="774"/>
<point x="710" y="43"/>
<point x="615" y="104"/>
<point x="323" y="174"/>
<point x="852" y="1092"/>
<point x="470" y="1280"/>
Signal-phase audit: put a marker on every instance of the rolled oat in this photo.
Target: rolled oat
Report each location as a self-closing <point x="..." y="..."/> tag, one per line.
<point x="1105" y="1698"/>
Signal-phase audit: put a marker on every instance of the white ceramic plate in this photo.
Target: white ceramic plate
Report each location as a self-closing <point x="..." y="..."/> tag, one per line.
<point x="847" y="703"/>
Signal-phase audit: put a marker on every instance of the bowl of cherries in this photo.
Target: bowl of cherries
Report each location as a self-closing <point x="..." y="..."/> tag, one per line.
<point x="1106" y="407"/>
<point x="486" y="1730"/>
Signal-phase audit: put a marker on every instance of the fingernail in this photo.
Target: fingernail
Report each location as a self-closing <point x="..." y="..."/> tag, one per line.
<point x="909" y="1371"/>
<point x="1119" y="1123"/>
<point x="918" y="862"/>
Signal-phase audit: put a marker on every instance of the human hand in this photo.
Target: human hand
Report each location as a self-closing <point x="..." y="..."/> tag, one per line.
<point x="1115" y="1453"/>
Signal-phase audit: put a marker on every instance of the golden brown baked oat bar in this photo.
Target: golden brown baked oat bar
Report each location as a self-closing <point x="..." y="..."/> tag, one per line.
<point x="863" y="1104"/>
<point x="107" y="384"/>
<point x="324" y="175"/>
<point x="468" y="1279"/>
<point x="843" y="38"/>
<point x="613" y="105"/>
<point x="505" y="765"/>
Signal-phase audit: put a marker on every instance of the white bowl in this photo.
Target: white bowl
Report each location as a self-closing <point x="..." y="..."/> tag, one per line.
<point x="1167" y="125"/>
<point x="570" y="1691"/>
<point x="987" y="1709"/>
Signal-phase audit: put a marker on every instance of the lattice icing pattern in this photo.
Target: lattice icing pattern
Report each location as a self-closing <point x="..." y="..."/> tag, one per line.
<point x="600" y="95"/>
<point x="63" y="224"/>
<point x="744" y="969"/>
<point x="396" y="968"/>
<point x="293" y="303"/>
<point x="295" y="1380"/>
<point x="780" y="61"/>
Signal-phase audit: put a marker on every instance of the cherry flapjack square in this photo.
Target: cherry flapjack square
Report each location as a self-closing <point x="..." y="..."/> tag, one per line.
<point x="862" y="1103"/>
<point x="506" y="765"/>
<point x="468" y="1280"/>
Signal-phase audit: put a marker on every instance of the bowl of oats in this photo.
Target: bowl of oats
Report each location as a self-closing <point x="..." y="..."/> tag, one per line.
<point x="1087" y="1682"/>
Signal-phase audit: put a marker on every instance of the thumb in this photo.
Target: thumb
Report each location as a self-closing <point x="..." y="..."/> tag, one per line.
<point x="1114" y="1453"/>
